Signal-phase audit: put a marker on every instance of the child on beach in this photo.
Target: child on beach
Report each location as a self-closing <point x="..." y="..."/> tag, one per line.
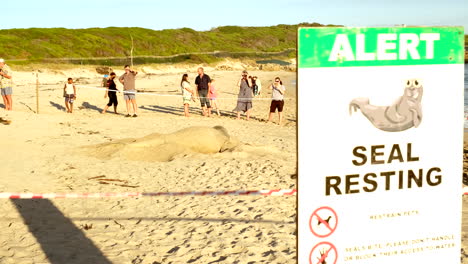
<point x="111" y="92"/>
<point x="187" y="94"/>
<point x="69" y="92"/>
<point x="212" y="95"/>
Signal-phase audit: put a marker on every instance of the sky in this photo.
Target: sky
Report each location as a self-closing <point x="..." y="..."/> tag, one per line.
<point x="204" y="15"/>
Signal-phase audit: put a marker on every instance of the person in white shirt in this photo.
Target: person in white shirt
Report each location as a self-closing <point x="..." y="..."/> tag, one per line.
<point x="277" y="100"/>
<point x="69" y="92"/>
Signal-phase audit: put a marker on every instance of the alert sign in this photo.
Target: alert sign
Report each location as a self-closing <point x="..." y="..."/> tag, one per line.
<point x="380" y="144"/>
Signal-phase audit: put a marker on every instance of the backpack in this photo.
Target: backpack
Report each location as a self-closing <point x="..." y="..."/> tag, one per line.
<point x="104" y="81"/>
<point x="255" y="89"/>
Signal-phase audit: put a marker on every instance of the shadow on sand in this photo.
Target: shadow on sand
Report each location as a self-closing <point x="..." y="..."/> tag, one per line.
<point x="59" y="238"/>
<point x="179" y="111"/>
<point x="58" y="106"/>
<point x="92" y="107"/>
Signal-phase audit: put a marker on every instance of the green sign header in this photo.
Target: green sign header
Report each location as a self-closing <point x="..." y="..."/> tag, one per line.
<point x="354" y="47"/>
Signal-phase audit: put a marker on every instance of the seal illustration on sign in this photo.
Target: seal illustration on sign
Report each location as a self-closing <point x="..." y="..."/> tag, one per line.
<point x="403" y="114"/>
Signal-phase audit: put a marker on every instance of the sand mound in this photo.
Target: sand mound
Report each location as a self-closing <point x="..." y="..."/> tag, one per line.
<point x="165" y="147"/>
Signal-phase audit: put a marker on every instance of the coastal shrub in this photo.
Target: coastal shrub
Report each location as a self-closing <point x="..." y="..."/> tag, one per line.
<point x="105" y="45"/>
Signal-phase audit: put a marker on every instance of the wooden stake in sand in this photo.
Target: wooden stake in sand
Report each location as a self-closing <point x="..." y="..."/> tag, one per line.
<point x="131" y="53"/>
<point x="37" y="92"/>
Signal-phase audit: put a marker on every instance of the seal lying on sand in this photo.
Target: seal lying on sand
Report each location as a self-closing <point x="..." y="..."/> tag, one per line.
<point x="164" y="147"/>
<point x="403" y="114"/>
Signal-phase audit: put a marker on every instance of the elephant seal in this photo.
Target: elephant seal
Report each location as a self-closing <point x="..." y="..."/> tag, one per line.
<point x="164" y="147"/>
<point x="403" y="114"/>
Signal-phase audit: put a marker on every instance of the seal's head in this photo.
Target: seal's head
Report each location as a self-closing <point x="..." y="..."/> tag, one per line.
<point x="413" y="89"/>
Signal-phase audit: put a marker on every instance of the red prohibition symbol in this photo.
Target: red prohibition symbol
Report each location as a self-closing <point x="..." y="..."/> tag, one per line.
<point x="323" y="253"/>
<point x="323" y="222"/>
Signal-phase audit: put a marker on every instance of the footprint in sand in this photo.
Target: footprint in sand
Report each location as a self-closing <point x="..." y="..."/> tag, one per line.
<point x="4" y="121"/>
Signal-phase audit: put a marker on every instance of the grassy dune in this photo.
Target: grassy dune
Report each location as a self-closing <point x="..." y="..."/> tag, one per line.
<point x="35" y="44"/>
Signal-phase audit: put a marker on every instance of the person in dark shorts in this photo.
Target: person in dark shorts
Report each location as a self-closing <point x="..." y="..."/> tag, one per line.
<point x="69" y="92"/>
<point x="111" y="92"/>
<point x="277" y="100"/>
<point x="202" y="83"/>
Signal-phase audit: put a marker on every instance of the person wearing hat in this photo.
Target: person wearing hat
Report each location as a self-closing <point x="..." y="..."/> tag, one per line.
<point x="244" y="99"/>
<point x="129" y="90"/>
<point x="6" y="85"/>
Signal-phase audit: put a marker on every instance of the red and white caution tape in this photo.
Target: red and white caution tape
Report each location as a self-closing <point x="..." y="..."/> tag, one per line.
<point x="7" y="195"/>
<point x="278" y="192"/>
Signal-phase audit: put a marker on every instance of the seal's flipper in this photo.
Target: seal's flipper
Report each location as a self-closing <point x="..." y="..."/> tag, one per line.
<point x="352" y="108"/>
<point x="392" y="113"/>
<point x="417" y="117"/>
<point x="357" y="103"/>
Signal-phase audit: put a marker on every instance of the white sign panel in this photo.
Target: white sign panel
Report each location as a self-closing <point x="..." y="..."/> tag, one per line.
<point x="380" y="145"/>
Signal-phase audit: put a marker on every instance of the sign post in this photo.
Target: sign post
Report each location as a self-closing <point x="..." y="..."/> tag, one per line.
<point x="37" y="92"/>
<point x="380" y="144"/>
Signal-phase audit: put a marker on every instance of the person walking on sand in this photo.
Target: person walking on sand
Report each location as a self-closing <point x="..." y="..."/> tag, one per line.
<point x="128" y="81"/>
<point x="69" y="92"/>
<point x="6" y="85"/>
<point x="277" y="100"/>
<point x="187" y="94"/>
<point x="111" y="92"/>
<point x="201" y="82"/>
<point x="212" y="95"/>
<point x="244" y="99"/>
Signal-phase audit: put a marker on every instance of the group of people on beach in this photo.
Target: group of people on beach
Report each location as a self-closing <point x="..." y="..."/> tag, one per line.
<point x="249" y="86"/>
<point x="129" y="92"/>
<point x="205" y="91"/>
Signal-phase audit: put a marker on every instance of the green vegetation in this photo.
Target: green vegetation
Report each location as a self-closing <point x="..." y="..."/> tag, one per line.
<point x="99" y="45"/>
<point x="107" y="46"/>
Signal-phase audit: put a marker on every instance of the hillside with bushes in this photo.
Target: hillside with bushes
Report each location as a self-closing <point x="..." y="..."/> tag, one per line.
<point x="102" y="45"/>
<point x="35" y="44"/>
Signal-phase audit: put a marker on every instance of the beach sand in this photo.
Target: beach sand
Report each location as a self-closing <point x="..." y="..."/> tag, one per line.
<point x="56" y="152"/>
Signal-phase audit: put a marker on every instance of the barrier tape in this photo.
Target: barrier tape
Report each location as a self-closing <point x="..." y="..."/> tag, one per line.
<point x="176" y="95"/>
<point x="279" y="192"/>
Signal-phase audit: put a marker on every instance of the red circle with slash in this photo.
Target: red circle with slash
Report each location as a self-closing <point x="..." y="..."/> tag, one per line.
<point x="330" y="228"/>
